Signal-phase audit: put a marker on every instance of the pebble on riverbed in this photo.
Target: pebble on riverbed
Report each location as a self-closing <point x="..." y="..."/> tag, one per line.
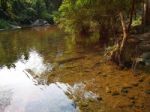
<point x="132" y="97"/>
<point x="108" y="90"/>
<point x="147" y="91"/>
<point x="99" y="98"/>
<point x="135" y="84"/>
<point x="124" y="90"/>
<point x="102" y="74"/>
<point x="115" y="93"/>
<point x="83" y="103"/>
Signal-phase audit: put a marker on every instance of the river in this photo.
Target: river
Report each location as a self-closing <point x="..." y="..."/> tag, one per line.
<point x="42" y="70"/>
<point x="26" y="59"/>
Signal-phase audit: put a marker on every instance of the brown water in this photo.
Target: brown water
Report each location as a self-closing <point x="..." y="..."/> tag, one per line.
<point x="26" y="57"/>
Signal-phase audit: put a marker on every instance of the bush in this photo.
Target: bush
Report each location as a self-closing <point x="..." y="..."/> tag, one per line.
<point x="137" y="21"/>
<point x="92" y="20"/>
<point x="4" y="24"/>
<point x="27" y="16"/>
<point x="46" y="16"/>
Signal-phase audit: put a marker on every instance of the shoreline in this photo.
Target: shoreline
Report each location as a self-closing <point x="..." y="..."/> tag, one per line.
<point x="24" y="27"/>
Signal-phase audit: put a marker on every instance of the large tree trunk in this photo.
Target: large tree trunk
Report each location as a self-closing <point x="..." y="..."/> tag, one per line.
<point x="131" y="14"/>
<point x="146" y="12"/>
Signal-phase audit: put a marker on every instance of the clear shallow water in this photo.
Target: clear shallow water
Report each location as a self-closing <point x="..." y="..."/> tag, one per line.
<point x="25" y="57"/>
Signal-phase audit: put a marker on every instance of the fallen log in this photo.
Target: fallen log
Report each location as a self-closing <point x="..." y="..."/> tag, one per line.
<point x="69" y="59"/>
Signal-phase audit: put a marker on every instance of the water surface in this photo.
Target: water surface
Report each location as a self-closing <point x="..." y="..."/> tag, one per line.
<point x="26" y="58"/>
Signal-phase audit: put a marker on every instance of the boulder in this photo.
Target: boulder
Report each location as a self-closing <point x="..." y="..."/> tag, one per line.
<point x="146" y="58"/>
<point x="15" y="26"/>
<point x="144" y="47"/>
<point x="40" y="22"/>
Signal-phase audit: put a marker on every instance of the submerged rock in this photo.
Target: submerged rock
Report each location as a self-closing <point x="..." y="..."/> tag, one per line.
<point x="147" y="91"/>
<point x="108" y="90"/>
<point x="115" y="93"/>
<point x="99" y="98"/>
<point x="83" y="104"/>
<point x="132" y="97"/>
<point x="124" y="90"/>
<point x="141" y="80"/>
<point x="135" y="84"/>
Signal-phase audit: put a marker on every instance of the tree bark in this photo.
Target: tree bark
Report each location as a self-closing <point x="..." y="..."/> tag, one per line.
<point x="131" y="14"/>
<point x="117" y="55"/>
<point x="146" y="12"/>
<point x="124" y="40"/>
<point x="124" y="29"/>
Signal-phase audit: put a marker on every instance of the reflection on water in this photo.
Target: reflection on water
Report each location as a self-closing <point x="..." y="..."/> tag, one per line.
<point x="33" y="67"/>
<point x="78" y="91"/>
<point x="26" y="57"/>
<point x="19" y="90"/>
<point x="5" y="98"/>
<point x="14" y="44"/>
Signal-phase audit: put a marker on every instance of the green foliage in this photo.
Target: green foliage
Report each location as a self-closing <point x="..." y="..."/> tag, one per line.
<point x="4" y="24"/>
<point x="27" y="11"/>
<point x="95" y="19"/>
<point x="137" y="21"/>
<point x="45" y="15"/>
<point x="79" y="18"/>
